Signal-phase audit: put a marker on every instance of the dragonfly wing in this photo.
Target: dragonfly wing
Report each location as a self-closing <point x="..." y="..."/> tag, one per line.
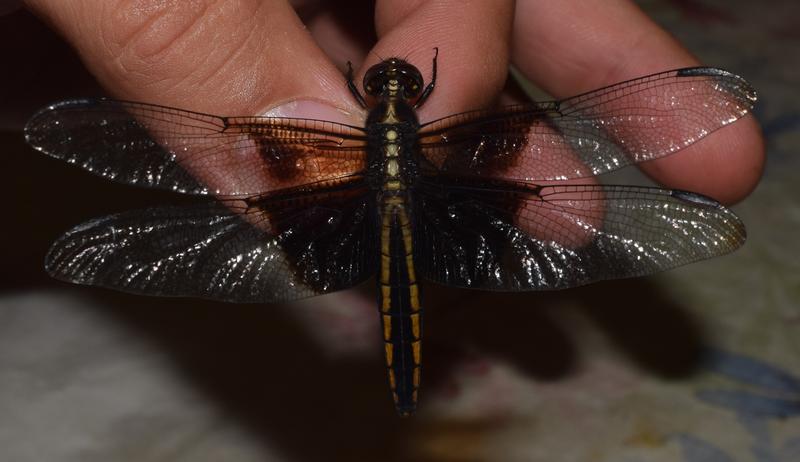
<point x="589" y="134"/>
<point x="257" y="250"/>
<point x="555" y="237"/>
<point x="167" y="148"/>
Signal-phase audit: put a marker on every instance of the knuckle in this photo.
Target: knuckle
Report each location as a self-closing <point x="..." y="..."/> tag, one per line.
<point x="145" y="30"/>
<point x="167" y="41"/>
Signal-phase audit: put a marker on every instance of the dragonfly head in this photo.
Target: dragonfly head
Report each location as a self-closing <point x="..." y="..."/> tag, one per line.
<point x="393" y="77"/>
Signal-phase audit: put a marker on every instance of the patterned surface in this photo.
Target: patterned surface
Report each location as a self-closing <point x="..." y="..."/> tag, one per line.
<point x="699" y="364"/>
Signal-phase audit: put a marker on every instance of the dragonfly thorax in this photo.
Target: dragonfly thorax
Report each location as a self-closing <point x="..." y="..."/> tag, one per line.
<point x="392" y="164"/>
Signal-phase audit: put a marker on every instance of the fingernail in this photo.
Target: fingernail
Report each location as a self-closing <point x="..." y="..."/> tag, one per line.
<point x="311" y="109"/>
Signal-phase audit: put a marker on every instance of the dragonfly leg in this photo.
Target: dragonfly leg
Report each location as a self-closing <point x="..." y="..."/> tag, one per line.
<point x="351" y="84"/>
<point x="427" y="91"/>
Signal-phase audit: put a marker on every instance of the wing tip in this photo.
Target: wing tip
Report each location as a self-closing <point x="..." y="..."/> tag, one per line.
<point x="734" y="83"/>
<point x="739" y="231"/>
<point x="44" y="122"/>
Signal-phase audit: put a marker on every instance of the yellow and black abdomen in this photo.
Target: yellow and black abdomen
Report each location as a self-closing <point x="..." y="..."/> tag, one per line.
<point x="399" y="299"/>
<point x="392" y="129"/>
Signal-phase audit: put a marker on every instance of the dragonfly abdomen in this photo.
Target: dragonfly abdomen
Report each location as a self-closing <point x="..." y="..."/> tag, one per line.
<point x="401" y="314"/>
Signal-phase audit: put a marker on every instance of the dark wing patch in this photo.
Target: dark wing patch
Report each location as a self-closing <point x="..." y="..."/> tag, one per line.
<point x="554" y="237"/>
<point x="260" y="250"/>
<point x="161" y="147"/>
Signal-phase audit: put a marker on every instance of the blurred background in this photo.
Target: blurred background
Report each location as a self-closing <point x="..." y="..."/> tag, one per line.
<point x="698" y="364"/>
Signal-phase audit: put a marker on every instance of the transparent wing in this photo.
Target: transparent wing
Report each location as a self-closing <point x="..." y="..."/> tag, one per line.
<point x="589" y="134"/>
<point x="255" y="250"/>
<point x="524" y="237"/>
<point x="184" y="151"/>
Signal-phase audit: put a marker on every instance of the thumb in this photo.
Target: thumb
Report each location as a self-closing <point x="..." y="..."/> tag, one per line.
<point x="236" y="57"/>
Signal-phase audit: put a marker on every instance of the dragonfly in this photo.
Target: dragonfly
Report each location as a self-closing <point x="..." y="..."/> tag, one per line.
<point x="500" y="199"/>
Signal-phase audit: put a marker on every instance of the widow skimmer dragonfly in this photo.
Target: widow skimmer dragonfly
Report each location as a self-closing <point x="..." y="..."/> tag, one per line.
<point x="482" y="200"/>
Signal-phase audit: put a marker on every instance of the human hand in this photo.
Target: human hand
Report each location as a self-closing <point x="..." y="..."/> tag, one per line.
<point x="244" y="57"/>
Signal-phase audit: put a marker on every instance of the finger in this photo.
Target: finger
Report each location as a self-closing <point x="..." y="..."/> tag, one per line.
<point x="472" y="38"/>
<point x="235" y="57"/>
<point x="568" y="48"/>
